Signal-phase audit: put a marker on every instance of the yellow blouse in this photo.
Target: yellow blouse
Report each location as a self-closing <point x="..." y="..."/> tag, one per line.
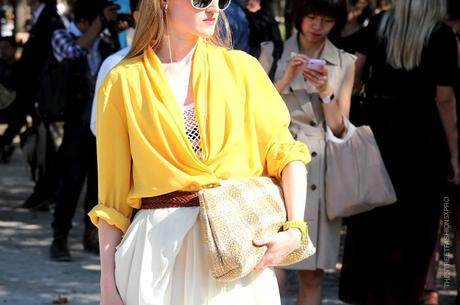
<point x="142" y="147"/>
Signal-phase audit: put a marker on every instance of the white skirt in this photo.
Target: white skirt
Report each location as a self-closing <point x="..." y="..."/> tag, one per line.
<point x="162" y="260"/>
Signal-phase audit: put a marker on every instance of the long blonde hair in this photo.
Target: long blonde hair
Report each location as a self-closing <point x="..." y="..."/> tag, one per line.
<point x="407" y="28"/>
<point x="152" y="27"/>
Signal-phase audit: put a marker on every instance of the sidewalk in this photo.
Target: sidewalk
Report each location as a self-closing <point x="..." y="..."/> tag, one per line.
<point x="28" y="277"/>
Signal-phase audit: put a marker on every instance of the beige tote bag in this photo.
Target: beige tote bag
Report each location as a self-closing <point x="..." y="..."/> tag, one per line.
<point x="356" y="178"/>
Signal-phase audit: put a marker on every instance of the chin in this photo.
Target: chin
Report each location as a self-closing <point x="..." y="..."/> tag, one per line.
<point x="316" y="38"/>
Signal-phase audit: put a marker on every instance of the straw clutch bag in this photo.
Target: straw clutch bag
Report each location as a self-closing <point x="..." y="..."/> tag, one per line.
<point x="233" y="215"/>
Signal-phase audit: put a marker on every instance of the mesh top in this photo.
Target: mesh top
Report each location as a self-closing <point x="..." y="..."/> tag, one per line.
<point x="191" y="128"/>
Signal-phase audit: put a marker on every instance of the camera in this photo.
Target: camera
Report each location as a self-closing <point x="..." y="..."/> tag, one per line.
<point x="127" y="18"/>
<point x="120" y="16"/>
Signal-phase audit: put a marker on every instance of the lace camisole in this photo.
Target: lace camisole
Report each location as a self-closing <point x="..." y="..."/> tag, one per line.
<point x="191" y="128"/>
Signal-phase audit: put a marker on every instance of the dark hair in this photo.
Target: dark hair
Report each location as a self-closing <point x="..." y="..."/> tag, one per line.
<point x="453" y="9"/>
<point x="86" y="9"/>
<point x="336" y="9"/>
<point x="134" y="5"/>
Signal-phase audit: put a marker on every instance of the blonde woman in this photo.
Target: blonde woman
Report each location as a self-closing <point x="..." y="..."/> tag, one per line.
<point x="181" y="113"/>
<point x="316" y="97"/>
<point x="412" y="112"/>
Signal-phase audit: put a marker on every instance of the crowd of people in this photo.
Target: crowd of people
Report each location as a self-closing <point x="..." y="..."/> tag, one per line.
<point x="391" y="65"/>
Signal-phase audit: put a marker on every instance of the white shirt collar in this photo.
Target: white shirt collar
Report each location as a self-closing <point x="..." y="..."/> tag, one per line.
<point x="37" y="12"/>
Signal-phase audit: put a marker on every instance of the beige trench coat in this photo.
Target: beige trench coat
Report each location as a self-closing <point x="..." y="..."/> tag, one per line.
<point x="308" y="126"/>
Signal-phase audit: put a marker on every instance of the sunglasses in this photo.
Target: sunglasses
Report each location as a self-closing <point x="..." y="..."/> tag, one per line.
<point x="203" y="4"/>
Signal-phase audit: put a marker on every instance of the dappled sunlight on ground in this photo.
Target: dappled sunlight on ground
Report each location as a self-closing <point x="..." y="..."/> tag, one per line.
<point x="27" y="275"/>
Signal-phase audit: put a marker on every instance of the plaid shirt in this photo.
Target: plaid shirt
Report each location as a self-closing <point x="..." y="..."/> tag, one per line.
<point x="64" y="45"/>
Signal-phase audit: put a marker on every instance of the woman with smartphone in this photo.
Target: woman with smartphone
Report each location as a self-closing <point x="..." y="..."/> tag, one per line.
<point x="178" y="115"/>
<point x="315" y="80"/>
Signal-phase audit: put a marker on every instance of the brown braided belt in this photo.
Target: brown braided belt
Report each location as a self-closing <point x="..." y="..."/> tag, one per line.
<point x="177" y="199"/>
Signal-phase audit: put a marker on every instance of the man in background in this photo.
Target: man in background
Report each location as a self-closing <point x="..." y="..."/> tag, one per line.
<point x="80" y="47"/>
<point x="45" y="20"/>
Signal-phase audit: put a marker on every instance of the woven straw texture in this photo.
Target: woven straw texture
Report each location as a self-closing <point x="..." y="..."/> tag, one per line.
<point x="236" y="213"/>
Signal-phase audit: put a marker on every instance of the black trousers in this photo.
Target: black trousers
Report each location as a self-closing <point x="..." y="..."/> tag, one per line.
<point x="77" y="156"/>
<point x="47" y="184"/>
<point x="15" y="117"/>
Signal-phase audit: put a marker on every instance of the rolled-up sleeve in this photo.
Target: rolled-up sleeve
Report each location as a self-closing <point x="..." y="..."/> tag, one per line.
<point x="272" y="119"/>
<point x="284" y="149"/>
<point x="114" y="157"/>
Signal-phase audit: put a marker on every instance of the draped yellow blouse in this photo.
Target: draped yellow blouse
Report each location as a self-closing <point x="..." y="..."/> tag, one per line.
<point x="142" y="147"/>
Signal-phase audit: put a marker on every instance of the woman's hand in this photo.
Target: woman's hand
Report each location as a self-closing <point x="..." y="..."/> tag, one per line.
<point x="294" y="67"/>
<point x="109" y="294"/>
<point x="279" y="247"/>
<point x="320" y="80"/>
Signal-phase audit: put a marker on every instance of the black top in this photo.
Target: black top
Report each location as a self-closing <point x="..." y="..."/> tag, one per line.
<point x="437" y="68"/>
<point x="36" y="52"/>
<point x="263" y="27"/>
<point x="351" y="42"/>
<point x="402" y="108"/>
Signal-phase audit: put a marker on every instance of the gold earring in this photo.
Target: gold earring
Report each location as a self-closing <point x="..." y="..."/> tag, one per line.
<point x="165" y="6"/>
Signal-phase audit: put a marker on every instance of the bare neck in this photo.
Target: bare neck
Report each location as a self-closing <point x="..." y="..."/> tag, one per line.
<point x="175" y="47"/>
<point x="309" y="48"/>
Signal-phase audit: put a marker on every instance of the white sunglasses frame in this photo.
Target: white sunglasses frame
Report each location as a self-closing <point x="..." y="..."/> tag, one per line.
<point x="203" y="8"/>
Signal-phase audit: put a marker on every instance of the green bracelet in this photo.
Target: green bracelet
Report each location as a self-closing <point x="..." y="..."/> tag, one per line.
<point x="299" y="225"/>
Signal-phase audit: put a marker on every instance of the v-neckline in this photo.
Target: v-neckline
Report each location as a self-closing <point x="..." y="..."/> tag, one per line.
<point x="199" y="101"/>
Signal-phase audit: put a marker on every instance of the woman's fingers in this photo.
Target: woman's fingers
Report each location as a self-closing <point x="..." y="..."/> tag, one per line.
<point x="300" y="59"/>
<point x="312" y="77"/>
<point x="261" y="242"/>
<point x="294" y="67"/>
<point x="316" y="78"/>
<point x="279" y="246"/>
<point x="315" y="74"/>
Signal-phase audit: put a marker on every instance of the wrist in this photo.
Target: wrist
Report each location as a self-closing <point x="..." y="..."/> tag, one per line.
<point x="296" y="225"/>
<point x="281" y="85"/>
<point x="326" y="93"/>
<point x="327" y="99"/>
<point x="294" y="233"/>
<point x="285" y="81"/>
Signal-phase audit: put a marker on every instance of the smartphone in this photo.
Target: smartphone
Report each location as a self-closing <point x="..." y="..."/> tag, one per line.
<point x="315" y="64"/>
